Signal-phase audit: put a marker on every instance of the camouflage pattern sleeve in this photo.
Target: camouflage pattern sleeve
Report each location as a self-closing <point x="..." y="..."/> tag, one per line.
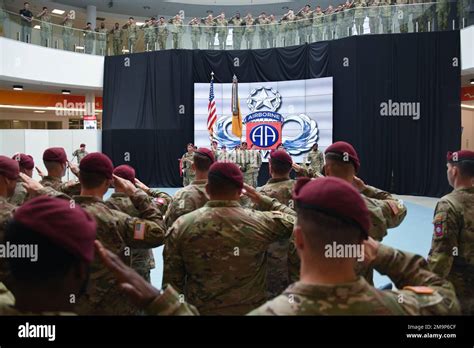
<point x="19" y="196"/>
<point x="293" y="262"/>
<point x="385" y="214"/>
<point x="373" y="192"/>
<point x="169" y="303"/>
<point x="433" y="294"/>
<point x="6" y="297"/>
<point x="162" y="199"/>
<point x="271" y="204"/>
<point x="71" y="188"/>
<point x="174" y="272"/>
<point x="51" y="192"/>
<point x="445" y="239"/>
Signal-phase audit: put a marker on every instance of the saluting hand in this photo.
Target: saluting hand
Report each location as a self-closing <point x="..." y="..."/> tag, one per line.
<point x="124" y="185"/>
<point x="141" y="185"/>
<point x="252" y="193"/>
<point x="40" y="173"/>
<point x="371" y="248"/>
<point x="30" y="184"/>
<point x="139" y="291"/>
<point x="296" y="167"/>
<point x="359" y="184"/>
<point x="74" y="168"/>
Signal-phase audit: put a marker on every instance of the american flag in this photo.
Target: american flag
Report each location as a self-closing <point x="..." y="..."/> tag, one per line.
<point x="212" y="112"/>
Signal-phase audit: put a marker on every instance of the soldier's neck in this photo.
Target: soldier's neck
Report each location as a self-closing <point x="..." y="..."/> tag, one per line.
<point x="40" y="300"/>
<point x="201" y="175"/>
<point x="463" y="184"/>
<point x="281" y="177"/>
<point x="92" y="192"/>
<point x="55" y="173"/>
<point x="322" y="273"/>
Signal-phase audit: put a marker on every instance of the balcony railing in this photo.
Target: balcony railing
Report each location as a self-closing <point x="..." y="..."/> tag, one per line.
<point x="252" y="34"/>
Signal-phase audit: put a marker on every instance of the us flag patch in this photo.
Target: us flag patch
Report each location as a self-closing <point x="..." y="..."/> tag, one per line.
<point x="139" y="231"/>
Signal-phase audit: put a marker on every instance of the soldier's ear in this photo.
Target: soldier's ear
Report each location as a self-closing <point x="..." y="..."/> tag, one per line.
<point x="299" y="239"/>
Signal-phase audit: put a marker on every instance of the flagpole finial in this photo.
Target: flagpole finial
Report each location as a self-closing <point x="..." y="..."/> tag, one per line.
<point x="212" y="73"/>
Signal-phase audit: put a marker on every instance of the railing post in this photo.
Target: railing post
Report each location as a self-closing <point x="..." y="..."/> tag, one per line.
<point x="429" y="26"/>
<point x="416" y="27"/>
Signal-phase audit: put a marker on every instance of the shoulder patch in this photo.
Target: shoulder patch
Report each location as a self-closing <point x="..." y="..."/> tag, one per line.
<point x="420" y="290"/>
<point x="439" y="223"/>
<point x="394" y="206"/>
<point x="139" y="230"/>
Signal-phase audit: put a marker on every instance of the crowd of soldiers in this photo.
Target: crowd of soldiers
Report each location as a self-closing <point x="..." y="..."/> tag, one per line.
<point x="229" y="248"/>
<point x="294" y="27"/>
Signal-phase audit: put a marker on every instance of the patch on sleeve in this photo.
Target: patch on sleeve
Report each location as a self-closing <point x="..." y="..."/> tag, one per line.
<point x="139" y="230"/>
<point x="420" y="290"/>
<point x="439" y="223"/>
<point x="159" y="201"/>
<point x="394" y="206"/>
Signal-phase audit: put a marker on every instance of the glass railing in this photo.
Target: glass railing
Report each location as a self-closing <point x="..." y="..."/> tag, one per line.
<point x="244" y="33"/>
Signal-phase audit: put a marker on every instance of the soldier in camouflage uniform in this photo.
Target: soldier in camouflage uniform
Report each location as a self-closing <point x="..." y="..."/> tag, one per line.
<point x="132" y="32"/>
<point x="359" y="16"/>
<point x="117" y="39"/>
<point x="348" y="18"/>
<point x="116" y="230"/>
<point x="102" y="33"/>
<point x="222" y="30"/>
<point x="68" y="32"/>
<point x="262" y="22"/>
<point x="26" y="165"/>
<point x="327" y="286"/>
<point x="176" y="29"/>
<point x="442" y="10"/>
<point x="314" y="162"/>
<point x="89" y="38"/>
<point x="46" y="28"/>
<point x="193" y="196"/>
<point x="195" y="25"/>
<point x="237" y="31"/>
<point x="452" y="250"/>
<point x="340" y="25"/>
<point x="463" y="13"/>
<point x="162" y="33"/>
<point x="279" y="187"/>
<point x="402" y="12"/>
<point x="187" y="165"/>
<point x="329" y="20"/>
<point x="374" y="17"/>
<point x="318" y="27"/>
<point x="142" y="260"/>
<point x="272" y="31"/>
<point x="210" y="31"/>
<point x="386" y="13"/>
<point x="149" y="30"/>
<point x="304" y="24"/>
<point x="249" y="30"/>
<point x="221" y="270"/>
<point x="56" y="163"/>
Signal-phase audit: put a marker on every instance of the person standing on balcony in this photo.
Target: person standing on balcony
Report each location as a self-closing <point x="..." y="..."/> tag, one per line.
<point x="176" y="30"/>
<point x="304" y="23"/>
<point x="117" y="39"/>
<point x="442" y="10"/>
<point x="463" y="13"/>
<point x="149" y="34"/>
<point x="386" y="12"/>
<point x="162" y="33"/>
<point x="237" y="31"/>
<point x="46" y="28"/>
<point x="272" y="31"/>
<point x="26" y="19"/>
<point x="374" y="19"/>
<point x="210" y="31"/>
<point x="249" y="30"/>
<point x="132" y="32"/>
<point x="318" y="28"/>
<point x="102" y="39"/>
<point x="89" y="38"/>
<point x="222" y="30"/>
<point x="402" y="15"/>
<point x="359" y="16"/>
<point x="195" y="26"/>
<point x="262" y="22"/>
<point x="68" y="32"/>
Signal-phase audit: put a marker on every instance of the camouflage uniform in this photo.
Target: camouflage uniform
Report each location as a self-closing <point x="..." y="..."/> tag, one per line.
<point x="162" y="35"/>
<point x="272" y="32"/>
<point x="253" y="162"/>
<point x="222" y="31"/>
<point x="46" y="30"/>
<point x="385" y="212"/>
<point x="215" y="255"/>
<point x="6" y="212"/>
<point x="186" y="200"/>
<point x="348" y="21"/>
<point x="68" y="35"/>
<point x="340" y="25"/>
<point x="359" y="16"/>
<point x="70" y="188"/>
<point x="79" y="154"/>
<point x="188" y="172"/>
<point x="195" y="26"/>
<point x="89" y="39"/>
<point x="318" y="27"/>
<point x="304" y="26"/>
<point x="118" y="232"/>
<point x="142" y="260"/>
<point x="20" y="195"/>
<point x="452" y="249"/>
<point x="402" y="13"/>
<point x="314" y="163"/>
<point x="374" y="17"/>
<point x="149" y="36"/>
<point x="277" y="253"/>
<point x="262" y="31"/>
<point x="409" y="272"/>
<point x="330" y="19"/>
<point x="463" y="13"/>
<point x="249" y="31"/>
<point x="102" y="41"/>
<point x="176" y="31"/>
<point x="237" y="32"/>
<point x="210" y="31"/>
<point x="442" y="9"/>
<point x="416" y="10"/>
<point x="117" y="41"/>
<point x="386" y="12"/>
<point x="132" y="37"/>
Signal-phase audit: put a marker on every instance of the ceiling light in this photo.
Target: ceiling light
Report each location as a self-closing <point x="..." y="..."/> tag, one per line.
<point x="18" y="88"/>
<point x="39" y="111"/>
<point x="66" y="91"/>
<point x="58" y="12"/>
<point x="471" y="81"/>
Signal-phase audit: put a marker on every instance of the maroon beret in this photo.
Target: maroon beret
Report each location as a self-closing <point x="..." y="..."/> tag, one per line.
<point x="125" y="172"/>
<point x="281" y="156"/>
<point x="9" y="168"/>
<point x="55" y="154"/>
<point x="227" y="171"/>
<point x="335" y="197"/>
<point x="344" y="152"/>
<point x="83" y="145"/>
<point x="69" y="227"/>
<point x="97" y="162"/>
<point x="25" y="161"/>
<point x="206" y="152"/>
<point x="459" y="156"/>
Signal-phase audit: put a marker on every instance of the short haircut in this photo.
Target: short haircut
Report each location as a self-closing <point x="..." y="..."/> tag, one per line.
<point x="279" y="167"/>
<point x="202" y="162"/>
<point x="45" y="8"/>
<point x="89" y="23"/>
<point x="53" y="261"/>
<point x="339" y="168"/>
<point x="51" y="165"/>
<point x="466" y="168"/>
<point x="322" y="229"/>
<point x="218" y="185"/>
<point x="26" y="3"/>
<point x="131" y="18"/>
<point x="91" y="180"/>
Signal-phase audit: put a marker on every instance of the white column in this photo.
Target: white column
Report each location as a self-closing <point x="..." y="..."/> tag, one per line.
<point x="92" y="15"/>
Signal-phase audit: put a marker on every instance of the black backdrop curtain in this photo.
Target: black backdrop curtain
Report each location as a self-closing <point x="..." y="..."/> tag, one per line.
<point x="149" y="105"/>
